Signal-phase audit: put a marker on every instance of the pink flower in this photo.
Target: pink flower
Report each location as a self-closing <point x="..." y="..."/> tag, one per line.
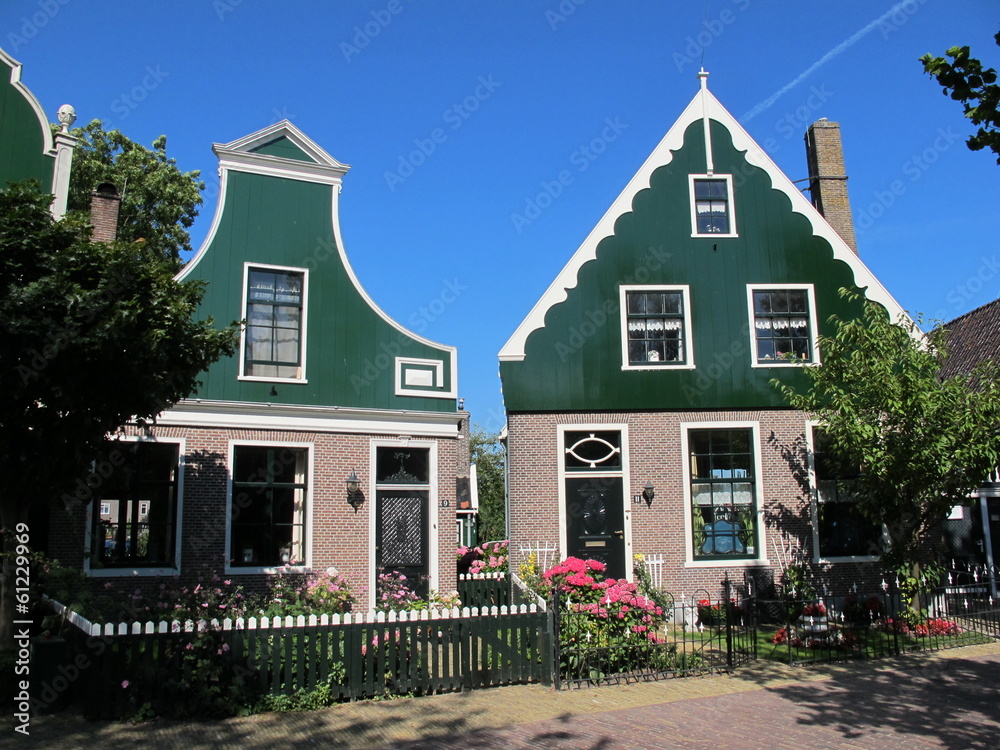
<point x="124" y="684"/>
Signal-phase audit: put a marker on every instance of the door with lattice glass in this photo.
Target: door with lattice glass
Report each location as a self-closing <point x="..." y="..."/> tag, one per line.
<point x="402" y="505"/>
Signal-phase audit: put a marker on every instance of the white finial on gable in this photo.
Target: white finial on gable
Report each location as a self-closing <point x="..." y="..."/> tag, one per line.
<point x="709" y="166"/>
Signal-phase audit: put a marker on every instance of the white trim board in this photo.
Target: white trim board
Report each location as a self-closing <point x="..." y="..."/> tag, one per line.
<point x="247" y="415"/>
<point x="704" y="104"/>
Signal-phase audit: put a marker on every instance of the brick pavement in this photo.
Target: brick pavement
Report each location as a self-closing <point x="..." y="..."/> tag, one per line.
<point x="945" y="700"/>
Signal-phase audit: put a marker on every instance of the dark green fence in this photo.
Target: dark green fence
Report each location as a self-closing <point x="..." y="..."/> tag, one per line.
<point x="352" y="657"/>
<point x="484" y="590"/>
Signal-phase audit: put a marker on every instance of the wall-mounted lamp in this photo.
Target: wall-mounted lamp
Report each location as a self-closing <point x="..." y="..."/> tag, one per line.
<point x="648" y="493"/>
<point x="355" y="497"/>
<point x="273" y="392"/>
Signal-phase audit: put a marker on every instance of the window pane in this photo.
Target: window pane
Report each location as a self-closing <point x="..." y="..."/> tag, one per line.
<point x="274" y="316"/>
<point x="269" y="490"/>
<point x="722" y="469"/>
<point x="402" y="465"/>
<point x="599" y="450"/>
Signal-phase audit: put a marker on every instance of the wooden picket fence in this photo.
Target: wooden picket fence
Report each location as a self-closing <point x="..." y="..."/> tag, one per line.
<point x="484" y="589"/>
<point x="353" y="656"/>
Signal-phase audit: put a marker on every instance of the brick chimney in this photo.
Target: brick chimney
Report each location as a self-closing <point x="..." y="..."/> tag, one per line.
<point x="828" y="178"/>
<point x="104" y="205"/>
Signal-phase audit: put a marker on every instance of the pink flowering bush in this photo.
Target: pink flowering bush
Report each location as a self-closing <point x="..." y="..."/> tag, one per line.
<point x="607" y="625"/>
<point x="490" y="557"/>
<point x="315" y="593"/>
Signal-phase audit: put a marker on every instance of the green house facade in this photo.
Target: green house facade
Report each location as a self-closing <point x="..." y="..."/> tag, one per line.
<point x="28" y="149"/>
<point x="331" y="440"/>
<point x="641" y="414"/>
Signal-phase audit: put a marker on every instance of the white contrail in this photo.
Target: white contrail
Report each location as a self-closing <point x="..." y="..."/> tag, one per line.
<point x="898" y="7"/>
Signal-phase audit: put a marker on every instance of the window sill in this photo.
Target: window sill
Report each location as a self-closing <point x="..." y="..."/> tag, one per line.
<point x="743" y="563"/>
<point x="257" y="570"/>
<point x="254" y="379"/>
<point x="779" y="363"/>
<point x="647" y="368"/>
<point x="694" y="235"/>
<point x="129" y="572"/>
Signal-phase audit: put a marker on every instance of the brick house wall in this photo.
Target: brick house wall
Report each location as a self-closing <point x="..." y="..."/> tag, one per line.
<point x="339" y="537"/>
<point x="654" y="454"/>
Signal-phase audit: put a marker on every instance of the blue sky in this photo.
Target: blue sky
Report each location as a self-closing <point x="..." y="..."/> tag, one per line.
<point x="456" y="114"/>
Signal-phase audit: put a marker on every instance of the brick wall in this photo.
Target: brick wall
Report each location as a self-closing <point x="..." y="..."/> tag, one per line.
<point x="828" y="178"/>
<point x="104" y="205"/>
<point x="339" y="538"/>
<point x="653" y="453"/>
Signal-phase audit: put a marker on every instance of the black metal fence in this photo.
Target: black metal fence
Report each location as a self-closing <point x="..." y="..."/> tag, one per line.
<point x="892" y="619"/>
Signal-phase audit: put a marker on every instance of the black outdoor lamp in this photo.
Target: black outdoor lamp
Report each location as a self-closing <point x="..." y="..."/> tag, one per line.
<point x="648" y="493"/>
<point x="355" y="497"/>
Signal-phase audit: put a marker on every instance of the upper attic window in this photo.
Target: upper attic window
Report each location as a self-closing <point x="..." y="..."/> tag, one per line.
<point x="712" y="206"/>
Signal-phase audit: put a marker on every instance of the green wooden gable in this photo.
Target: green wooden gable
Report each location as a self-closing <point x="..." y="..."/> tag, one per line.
<point x="568" y="354"/>
<point x="277" y="215"/>
<point x="26" y="148"/>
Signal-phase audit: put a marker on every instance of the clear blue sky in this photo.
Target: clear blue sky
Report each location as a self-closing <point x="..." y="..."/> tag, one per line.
<point x="517" y="91"/>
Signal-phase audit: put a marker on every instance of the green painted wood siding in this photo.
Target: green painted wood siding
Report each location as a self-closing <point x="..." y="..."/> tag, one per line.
<point x="350" y="349"/>
<point x="284" y="148"/>
<point x="574" y="362"/>
<point x="22" y="140"/>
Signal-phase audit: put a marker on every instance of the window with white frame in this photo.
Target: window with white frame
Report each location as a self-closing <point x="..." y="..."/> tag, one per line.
<point x="783" y="325"/>
<point x="723" y="493"/>
<point x="841" y="529"/>
<point x="137" y="523"/>
<point x="268" y="521"/>
<point x="712" y="206"/>
<point x="274" y="327"/>
<point x="656" y="326"/>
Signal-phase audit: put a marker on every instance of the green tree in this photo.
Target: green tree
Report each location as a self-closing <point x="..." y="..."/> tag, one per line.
<point x="159" y="201"/>
<point x="487" y="453"/>
<point x="965" y="80"/>
<point x="923" y="442"/>
<point x="92" y="335"/>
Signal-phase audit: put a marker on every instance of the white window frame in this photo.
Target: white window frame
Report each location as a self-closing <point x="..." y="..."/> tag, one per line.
<point x="730" y="199"/>
<point x="307" y="507"/>
<point x="433" y="571"/>
<point x="247" y="267"/>
<point x="814" y="501"/>
<point x="128" y="572"/>
<point x="624" y="473"/>
<point x="813" y="321"/>
<point x="761" y="551"/>
<point x="687" y="362"/>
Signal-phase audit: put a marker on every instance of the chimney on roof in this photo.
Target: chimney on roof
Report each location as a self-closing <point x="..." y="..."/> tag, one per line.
<point x="828" y="178"/>
<point x="104" y="205"/>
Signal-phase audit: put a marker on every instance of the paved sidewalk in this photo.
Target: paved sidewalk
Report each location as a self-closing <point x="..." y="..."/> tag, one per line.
<point x="948" y="699"/>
